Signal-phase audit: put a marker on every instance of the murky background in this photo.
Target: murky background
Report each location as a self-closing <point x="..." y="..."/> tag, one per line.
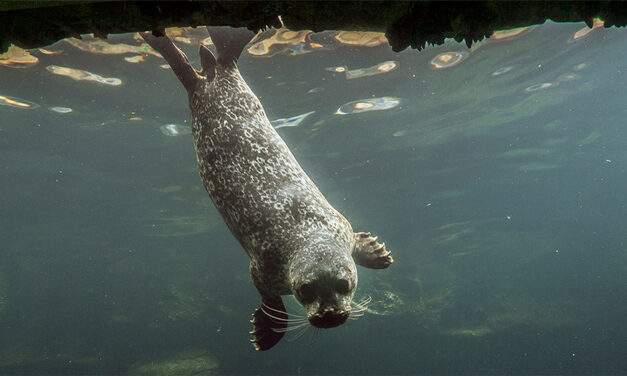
<point x="496" y="175"/>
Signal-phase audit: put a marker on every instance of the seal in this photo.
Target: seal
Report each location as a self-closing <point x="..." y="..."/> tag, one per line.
<point x="296" y="241"/>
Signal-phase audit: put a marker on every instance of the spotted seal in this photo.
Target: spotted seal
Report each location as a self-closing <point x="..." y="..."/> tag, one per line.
<point x="296" y="241"/>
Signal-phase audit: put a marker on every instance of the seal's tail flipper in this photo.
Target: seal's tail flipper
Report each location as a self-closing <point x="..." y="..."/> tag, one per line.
<point x="229" y="42"/>
<point x="370" y="254"/>
<point x="175" y="57"/>
<point x="269" y="323"/>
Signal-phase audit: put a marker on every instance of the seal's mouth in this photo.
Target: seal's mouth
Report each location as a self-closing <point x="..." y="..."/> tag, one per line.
<point x="329" y="318"/>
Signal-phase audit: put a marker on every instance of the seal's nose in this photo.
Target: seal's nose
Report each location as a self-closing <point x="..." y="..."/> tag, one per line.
<point x="329" y="318"/>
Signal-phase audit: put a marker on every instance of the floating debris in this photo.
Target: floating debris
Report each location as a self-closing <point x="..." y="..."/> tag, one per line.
<point x="164" y="66"/>
<point x="400" y="133"/>
<point x="6" y="100"/>
<point x="207" y="42"/>
<point x="175" y="31"/>
<point x="385" y="67"/>
<point x="60" y="110"/>
<point x="173" y="130"/>
<point x="98" y="46"/>
<point x="17" y="57"/>
<point x="509" y="34"/>
<point x="448" y="59"/>
<point x="502" y="70"/>
<point x="585" y="31"/>
<point x="340" y="69"/>
<point x="82" y="75"/>
<point x="315" y="90"/>
<point x="540" y="86"/>
<point x="364" y="39"/>
<point x="290" y="122"/>
<point x="366" y="105"/>
<point x="300" y="49"/>
<point x="581" y="66"/>
<point x="286" y="42"/>
<point x="135" y="59"/>
<point x="570" y="76"/>
<point x="185" y="40"/>
<point x="50" y="52"/>
<point x="187" y="35"/>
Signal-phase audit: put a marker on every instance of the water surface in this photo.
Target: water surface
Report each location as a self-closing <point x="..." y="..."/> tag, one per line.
<point x="497" y="183"/>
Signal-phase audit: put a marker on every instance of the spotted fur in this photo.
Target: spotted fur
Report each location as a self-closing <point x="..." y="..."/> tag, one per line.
<point x="291" y="234"/>
<point x="266" y="199"/>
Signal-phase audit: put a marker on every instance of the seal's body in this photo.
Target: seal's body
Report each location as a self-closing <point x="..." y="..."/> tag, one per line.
<point x="265" y="197"/>
<point x="296" y="241"/>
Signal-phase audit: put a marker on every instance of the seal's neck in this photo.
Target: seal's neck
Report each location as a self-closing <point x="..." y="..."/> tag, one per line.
<point x="317" y="257"/>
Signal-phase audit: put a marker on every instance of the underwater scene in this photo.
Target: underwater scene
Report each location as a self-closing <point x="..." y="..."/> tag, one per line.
<point x="495" y="174"/>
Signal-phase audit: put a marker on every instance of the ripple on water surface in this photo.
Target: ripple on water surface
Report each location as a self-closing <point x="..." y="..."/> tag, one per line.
<point x="174" y="130"/>
<point x="60" y="110"/>
<point x="7" y="100"/>
<point x="290" y="122"/>
<point x="82" y="75"/>
<point x="369" y="104"/>
<point x="384" y="67"/>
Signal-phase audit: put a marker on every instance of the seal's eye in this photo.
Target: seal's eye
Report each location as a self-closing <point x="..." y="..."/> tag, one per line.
<point x="306" y="293"/>
<point x="342" y="286"/>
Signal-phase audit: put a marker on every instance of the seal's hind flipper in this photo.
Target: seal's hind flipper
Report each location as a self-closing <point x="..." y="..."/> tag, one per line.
<point x="370" y="254"/>
<point x="208" y="62"/>
<point x="229" y="42"/>
<point x="269" y="323"/>
<point x="175" y="57"/>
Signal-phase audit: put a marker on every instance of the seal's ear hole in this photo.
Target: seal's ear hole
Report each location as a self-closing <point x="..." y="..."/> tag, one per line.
<point x="342" y="286"/>
<point x="306" y="293"/>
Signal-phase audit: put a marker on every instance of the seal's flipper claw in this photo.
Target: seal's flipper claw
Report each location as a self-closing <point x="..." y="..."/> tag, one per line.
<point x="269" y="322"/>
<point x="370" y="254"/>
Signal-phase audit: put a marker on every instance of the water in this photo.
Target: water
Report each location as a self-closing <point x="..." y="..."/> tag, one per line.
<point x="503" y="205"/>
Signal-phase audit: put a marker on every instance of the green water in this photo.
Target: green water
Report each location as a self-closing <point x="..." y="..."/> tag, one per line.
<point x="505" y="211"/>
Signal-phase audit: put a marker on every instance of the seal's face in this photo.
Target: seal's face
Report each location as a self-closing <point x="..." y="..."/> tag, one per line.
<point x="325" y="289"/>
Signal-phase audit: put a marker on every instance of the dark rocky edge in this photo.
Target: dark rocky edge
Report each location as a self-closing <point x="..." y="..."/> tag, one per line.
<point x="31" y="24"/>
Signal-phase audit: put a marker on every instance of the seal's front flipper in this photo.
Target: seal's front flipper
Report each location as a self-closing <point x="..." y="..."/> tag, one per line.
<point x="175" y="57"/>
<point x="370" y="254"/>
<point x="269" y="323"/>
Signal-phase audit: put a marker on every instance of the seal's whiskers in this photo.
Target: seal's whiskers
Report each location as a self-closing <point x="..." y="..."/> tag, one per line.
<point x="359" y="308"/>
<point x="362" y="305"/>
<point x="266" y="308"/>
<point x="290" y="328"/>
<point x="354" y="317"/>
<point x="281" y="312"/>
<point x="359" y="311"/>
<point x="300" y="333"/>
<point x="364" y="302"/>
<point x="281" y="319"/>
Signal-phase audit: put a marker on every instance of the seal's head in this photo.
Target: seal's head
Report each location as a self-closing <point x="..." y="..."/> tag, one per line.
<point x="323" y="278"/>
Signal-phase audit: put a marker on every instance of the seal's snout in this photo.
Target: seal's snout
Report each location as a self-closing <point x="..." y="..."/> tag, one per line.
<point x="329" y="318"/>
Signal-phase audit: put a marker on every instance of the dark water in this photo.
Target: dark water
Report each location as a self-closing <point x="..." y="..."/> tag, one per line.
<point x="505" y="211"/>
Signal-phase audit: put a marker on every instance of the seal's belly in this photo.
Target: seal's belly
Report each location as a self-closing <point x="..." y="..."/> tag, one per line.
<point x="249" y="172"/>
